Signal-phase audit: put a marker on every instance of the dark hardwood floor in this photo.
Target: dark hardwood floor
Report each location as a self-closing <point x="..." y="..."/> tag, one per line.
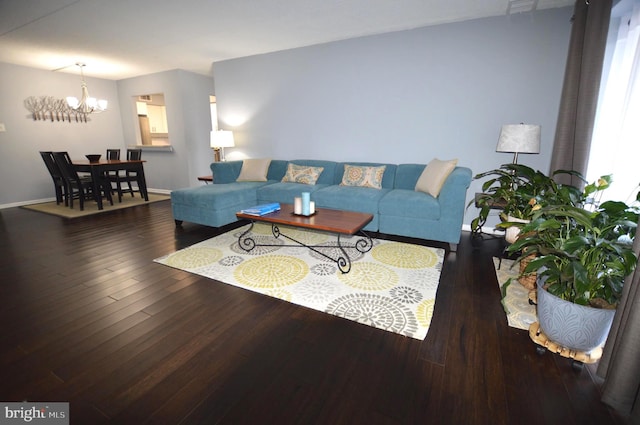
<point x="88" y="318"/>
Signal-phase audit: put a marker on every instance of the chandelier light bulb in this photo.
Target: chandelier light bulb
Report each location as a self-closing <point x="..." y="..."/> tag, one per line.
<point x="72" y="102"/>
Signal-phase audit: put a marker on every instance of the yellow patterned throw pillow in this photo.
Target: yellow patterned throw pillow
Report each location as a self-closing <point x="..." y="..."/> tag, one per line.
<point x="355" y="175"/>
<point x="302" y="174"/>
<point x="434" y="175"/>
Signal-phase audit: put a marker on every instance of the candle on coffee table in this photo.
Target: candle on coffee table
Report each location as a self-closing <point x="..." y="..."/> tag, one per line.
<point x="306" y="200"/>
<point x="297" y="205"/>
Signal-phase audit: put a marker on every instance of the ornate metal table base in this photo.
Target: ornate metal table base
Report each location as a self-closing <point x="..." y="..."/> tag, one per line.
<point x="364" y="244"/>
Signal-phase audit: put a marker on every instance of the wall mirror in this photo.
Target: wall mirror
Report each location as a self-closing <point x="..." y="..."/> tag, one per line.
<point x="152" y="120"/>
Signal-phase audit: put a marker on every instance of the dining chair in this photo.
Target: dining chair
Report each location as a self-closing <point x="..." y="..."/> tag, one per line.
<point x="77" y="187"/>
<point x="131" y="176"/>
<point x="56" y="175"/>
<point x="114" y="176"/>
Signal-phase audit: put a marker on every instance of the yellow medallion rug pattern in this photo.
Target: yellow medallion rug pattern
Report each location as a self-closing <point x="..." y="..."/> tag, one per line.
<point x="515" y="297"/>
<point x="392" y="287"/>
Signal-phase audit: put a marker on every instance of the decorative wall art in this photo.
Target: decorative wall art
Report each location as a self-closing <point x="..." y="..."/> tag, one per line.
<point x="50" y="108"/>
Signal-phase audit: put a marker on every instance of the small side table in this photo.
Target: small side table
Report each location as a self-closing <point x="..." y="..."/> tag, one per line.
<point x="493" y="205"/>
<point x="206" y="179"/>
<point x="496" y="205"/>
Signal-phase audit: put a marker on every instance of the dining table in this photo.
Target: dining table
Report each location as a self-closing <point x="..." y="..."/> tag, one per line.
<point x="98" y="170"/>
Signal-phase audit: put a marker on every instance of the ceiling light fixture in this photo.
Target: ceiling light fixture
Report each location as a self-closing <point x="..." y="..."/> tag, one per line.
<point x="86" y="105"/>
<point x="520" y="6"/>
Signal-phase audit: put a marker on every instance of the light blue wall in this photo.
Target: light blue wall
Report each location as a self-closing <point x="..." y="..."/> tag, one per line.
<point x="23" y="176"/>
<point x="409" y="96"/>
<point x="441" y="91"/>
<point x="188" y="119"/>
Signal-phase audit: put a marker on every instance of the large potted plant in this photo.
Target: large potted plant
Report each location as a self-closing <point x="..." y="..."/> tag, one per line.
<point x="519" y="191"/>
<point x="582" y="258"/>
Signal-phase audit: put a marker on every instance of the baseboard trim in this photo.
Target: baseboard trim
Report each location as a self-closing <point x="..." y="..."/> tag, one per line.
<point x="43" y="200"/>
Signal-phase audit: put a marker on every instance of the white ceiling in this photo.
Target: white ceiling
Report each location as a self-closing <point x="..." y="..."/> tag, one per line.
<point x="125" y="38"/>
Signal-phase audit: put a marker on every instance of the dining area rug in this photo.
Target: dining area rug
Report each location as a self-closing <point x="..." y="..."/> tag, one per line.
<point x="391" y="287"/>
<point x="515" y="297"/>
<point x="91" y="207"/>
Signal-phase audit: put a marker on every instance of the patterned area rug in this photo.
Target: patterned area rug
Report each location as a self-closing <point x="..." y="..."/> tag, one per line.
<point x="391" y="287"/>
<point x="515" y="297"/>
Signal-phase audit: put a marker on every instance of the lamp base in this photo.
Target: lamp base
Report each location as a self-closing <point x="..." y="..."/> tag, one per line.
<point x="216" y="154"/>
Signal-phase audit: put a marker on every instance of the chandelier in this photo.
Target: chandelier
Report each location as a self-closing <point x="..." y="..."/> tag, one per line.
<point x="86" y="105"/>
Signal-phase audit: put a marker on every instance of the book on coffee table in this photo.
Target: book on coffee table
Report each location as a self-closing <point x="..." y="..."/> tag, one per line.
<point x="262" y="209"/>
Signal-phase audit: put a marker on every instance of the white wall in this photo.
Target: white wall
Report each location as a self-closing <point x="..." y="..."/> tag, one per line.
<point x="441" y="91"/>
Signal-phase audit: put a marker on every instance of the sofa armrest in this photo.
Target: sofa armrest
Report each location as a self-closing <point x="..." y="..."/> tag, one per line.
<point x="453" y="196"/>
<point x="226" y="171"/>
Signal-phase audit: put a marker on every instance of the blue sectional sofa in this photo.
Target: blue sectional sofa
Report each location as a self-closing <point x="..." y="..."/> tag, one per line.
<point x="397" y="208"/>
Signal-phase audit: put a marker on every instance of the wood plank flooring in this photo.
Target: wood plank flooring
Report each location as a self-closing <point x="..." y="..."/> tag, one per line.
<point x="86" y="317"/>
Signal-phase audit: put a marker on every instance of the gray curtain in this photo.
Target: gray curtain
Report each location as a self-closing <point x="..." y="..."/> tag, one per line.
<point x="581" y="87"/>
<point x="620" y="363"/>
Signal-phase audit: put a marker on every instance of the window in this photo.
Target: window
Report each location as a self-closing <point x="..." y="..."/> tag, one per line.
<point x="151" y="113"/>
<point x="214" y="113"/>
<point x="614" y="147"/>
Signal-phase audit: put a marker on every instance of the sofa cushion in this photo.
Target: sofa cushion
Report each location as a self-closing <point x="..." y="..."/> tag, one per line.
<point x="217" y="196"/>
<point x="254" y="170"/>
<point x="302" y="174"/>
<point x="329" y="169"/>
<point x="351" y="198"/>
<point x="409" y="203"/>
<point x="388" y="179"/>
<point x="362" y="176"/>
<point x="285" y="192"/>
<point x="434" y="175"/>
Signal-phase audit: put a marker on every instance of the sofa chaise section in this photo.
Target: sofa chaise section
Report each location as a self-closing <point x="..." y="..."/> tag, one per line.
<point x="216" y="204"/>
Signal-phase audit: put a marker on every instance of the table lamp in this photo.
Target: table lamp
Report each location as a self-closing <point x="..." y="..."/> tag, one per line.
<point x="219" y="140"/>
<point x="519" y="138"/>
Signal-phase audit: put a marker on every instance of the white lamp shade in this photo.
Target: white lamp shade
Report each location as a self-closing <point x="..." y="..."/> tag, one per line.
<point x="519" y="138"/>
<point x="222" y="139"/>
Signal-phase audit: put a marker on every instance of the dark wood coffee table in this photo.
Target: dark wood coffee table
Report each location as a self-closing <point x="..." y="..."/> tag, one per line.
<point x="328" y="220"/>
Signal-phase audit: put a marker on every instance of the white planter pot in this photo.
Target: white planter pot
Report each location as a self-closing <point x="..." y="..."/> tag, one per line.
<point x="512" y="233"/>
<point x="573" y="326"/>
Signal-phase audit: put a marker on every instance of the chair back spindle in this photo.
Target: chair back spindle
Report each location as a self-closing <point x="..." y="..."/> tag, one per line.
<point x="134" y="154"/>
<point x="113" y="153"/>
